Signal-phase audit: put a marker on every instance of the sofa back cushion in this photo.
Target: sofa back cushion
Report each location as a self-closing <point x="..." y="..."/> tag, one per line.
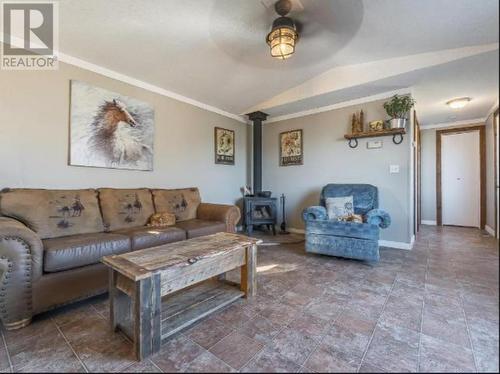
<point x="182" y="202"/>
<point x="53" y="213"/>
<point x="122" y="208"/>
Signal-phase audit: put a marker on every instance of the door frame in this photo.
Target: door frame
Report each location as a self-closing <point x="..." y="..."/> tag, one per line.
<point x="482" y="166"/>
<point x="495" y="165"/>
<point x="417" y="170"/>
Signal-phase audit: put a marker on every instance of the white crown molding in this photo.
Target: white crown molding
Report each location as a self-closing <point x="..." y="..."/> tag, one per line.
<point x="144" y="85"/>
<point x="476" y="121"/>
<point x="98" y="69"/>
<point x="492" y="110"/>
<point x="343" y="104"/>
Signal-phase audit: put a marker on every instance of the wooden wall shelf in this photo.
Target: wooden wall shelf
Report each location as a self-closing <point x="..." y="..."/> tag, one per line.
<point x="395" y="133"/>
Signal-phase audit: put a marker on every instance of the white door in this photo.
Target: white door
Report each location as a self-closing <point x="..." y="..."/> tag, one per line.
<point x="461" y="179"/>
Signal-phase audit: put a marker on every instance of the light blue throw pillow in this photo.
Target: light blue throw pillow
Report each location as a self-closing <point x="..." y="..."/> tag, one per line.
<point x="339" y="207"/>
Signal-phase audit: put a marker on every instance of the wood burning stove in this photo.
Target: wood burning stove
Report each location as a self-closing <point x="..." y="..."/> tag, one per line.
<point x="260" y="211"/>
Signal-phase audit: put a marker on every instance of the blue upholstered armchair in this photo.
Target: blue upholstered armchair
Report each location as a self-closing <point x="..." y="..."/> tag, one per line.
<point x="346" y="239"/>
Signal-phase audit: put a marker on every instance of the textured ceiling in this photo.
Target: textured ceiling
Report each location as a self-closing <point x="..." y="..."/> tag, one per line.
<point x="214" y="51"/>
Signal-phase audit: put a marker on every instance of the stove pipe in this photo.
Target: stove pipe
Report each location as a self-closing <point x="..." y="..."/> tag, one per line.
<point x="257" y="118"/>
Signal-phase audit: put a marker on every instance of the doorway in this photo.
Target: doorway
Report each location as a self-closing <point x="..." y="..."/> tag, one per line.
<point x="460" y="179"/>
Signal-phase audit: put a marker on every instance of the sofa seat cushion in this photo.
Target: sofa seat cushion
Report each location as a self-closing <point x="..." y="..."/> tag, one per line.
<point x="145" y="237"/>
<point x="199" y="227"/>
<point x="70" y="252"/>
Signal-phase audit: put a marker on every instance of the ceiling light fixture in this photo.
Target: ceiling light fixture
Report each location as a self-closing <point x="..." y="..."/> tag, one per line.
<point x="283" y="35"/>
<point x="458" y="103"/>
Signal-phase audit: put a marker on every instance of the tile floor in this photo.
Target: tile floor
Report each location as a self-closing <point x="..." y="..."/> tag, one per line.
<point x="431" y="309"/>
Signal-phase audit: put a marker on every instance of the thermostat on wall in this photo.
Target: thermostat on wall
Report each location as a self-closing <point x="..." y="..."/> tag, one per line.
<point x="374" y="144"/>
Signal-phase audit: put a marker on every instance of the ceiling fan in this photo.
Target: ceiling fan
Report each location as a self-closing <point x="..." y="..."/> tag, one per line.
<point x="285" y="31"/>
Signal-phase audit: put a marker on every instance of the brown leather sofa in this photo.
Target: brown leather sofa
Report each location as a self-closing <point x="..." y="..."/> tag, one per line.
<point x="51" y="241"/>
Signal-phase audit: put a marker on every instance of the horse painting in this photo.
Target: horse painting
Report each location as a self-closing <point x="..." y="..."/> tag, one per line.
<point x="110" y="130"/>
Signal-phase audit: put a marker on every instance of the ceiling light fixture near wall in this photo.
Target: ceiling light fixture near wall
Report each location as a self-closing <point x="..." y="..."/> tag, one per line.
<point x="458" y="103"/>
<point x="284" y="35"/>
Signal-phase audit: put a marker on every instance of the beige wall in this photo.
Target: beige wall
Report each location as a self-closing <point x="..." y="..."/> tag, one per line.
<point x="328" y="159"/>
<point x="34" y="126"/>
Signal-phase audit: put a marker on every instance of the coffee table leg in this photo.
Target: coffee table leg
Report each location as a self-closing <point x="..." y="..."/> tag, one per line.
<point x="119" y="304"/>
<point x="249" y="272"/>
<point x="147" y="317"/>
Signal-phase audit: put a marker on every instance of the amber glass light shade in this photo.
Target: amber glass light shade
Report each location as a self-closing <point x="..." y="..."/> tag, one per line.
<point x="282" y="38"/>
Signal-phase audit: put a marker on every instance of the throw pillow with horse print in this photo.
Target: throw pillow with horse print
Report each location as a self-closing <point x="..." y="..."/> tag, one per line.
<point x="58" y="212"/>
<point x="123" y="208"/>
<point x="110" y="130"/>
<point x="182" y="202"/>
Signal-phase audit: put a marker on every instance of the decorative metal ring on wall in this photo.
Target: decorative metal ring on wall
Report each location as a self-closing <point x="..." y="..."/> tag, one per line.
<point x="353" y="145"/>
<point x="400" y="138"/>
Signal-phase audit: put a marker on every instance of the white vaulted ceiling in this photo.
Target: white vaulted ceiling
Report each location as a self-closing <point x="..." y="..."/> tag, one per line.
<point x="214" y="51"/>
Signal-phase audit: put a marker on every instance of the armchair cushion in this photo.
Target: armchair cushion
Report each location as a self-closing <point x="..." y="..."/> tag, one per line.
<point x="314" y="213"/>
<point x="365" y="195"/>
<point x="378" y="217"/>
<point x="345" y="229"/>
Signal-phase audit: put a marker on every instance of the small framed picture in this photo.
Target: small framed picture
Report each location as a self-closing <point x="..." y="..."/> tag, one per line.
<point x="224" y="146"/>
<point x="291" y="148"/>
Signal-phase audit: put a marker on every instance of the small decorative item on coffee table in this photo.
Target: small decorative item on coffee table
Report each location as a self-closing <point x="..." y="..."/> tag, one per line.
<point x="141" y="278"/>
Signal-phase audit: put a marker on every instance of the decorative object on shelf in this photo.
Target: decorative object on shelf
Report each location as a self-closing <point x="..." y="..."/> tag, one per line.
<point x="291" y="148"/>
<point x="357" y="123"/>
<point x="283" y="35"/>
<point x="246" y="191"/>
<point x="283" y="216"/>
<point x="397" y="136"/>
<point x="224" y="146"/>
<point x="109" y="130"/>
<point x="376" y="125"/>
<point x="397" y="108"/>
<point x="361" y="121"/>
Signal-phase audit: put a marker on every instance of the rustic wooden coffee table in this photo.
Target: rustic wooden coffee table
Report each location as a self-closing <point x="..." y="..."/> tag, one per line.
<point x="138" y="281"/>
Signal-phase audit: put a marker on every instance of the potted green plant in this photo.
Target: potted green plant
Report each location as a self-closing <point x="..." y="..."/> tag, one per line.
<point x="397" y="108"/>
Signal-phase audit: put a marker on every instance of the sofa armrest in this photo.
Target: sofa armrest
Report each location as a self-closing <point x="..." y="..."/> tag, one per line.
<point x="314" y="213"/>
<point x="21" y="257"/>
<point x="229" y="214"/>
<point x="378" y="217"/>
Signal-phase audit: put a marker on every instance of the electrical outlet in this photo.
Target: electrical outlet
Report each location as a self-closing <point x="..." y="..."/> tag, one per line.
<point x="394" y="169"/>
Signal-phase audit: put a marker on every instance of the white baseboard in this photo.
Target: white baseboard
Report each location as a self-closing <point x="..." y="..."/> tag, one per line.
<point x="382" y="243"/>
<point x="396" y="245"/>
<point x="427" y="222"/>
<point x="489" y="230"/>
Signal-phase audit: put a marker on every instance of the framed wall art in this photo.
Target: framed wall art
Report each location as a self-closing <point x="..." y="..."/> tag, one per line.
<point x="291" y="148"/>
<point x="110" y="130"/>
<point x="224" y="146"/>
